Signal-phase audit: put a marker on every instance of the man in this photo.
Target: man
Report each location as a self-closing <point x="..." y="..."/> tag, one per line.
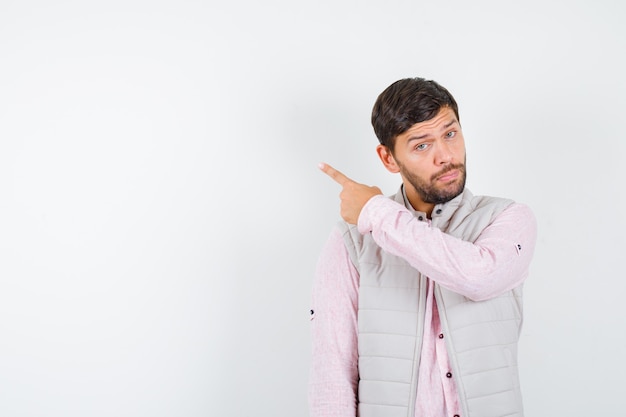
<point x="417" y="300"/>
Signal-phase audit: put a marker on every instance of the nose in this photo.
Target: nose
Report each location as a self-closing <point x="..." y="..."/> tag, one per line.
<point x="443" y="154"/>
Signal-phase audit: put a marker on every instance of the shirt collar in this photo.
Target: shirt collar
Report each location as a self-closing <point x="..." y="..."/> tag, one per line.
<point x="444" y="210"/>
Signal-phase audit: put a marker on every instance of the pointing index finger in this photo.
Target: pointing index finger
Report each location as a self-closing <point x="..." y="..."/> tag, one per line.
<point x="336" y="175"/>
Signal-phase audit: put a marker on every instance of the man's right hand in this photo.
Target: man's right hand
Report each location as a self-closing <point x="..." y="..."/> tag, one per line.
<point x="353" y="194"/>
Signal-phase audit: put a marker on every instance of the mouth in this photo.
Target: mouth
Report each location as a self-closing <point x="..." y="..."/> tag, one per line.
<point x="449" y="176"/>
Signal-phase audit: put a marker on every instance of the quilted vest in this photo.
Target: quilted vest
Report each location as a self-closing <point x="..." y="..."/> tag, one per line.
<point x="481" y="336"/>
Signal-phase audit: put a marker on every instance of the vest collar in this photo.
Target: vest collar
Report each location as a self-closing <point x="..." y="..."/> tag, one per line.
<point x="441" y="212"/>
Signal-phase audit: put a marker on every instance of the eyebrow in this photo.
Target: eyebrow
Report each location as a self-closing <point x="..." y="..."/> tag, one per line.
<point x="445" y="127"/>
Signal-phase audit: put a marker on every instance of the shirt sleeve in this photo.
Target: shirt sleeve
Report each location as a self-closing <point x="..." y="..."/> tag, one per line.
<point x="334" y="365"/>
<point x="496" y="262"/>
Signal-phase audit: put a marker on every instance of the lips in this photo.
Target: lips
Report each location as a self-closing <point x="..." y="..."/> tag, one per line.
<point x="449" y="176"/>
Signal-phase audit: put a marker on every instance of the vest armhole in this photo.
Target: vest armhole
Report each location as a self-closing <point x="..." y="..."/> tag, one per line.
<point x="347" y="233"/>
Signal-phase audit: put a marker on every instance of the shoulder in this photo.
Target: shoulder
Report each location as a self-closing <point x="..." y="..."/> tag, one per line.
<point x="473" y="214"/>
<point x="468" y="205"/>
<point x="518" y="213"/>
<point x="502" y="206"/>
<point x="513" y="218"/>
<point x="351" y="237"/>
<point x="476" y="202"/>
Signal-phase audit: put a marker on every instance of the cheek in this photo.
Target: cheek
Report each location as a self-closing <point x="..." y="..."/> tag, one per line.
<point x="416" y="170"/>
<point x="413" y="164"/>
<point x="459" y="149"/>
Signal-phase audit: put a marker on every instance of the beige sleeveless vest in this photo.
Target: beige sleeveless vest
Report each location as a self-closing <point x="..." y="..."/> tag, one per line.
<point x="481" y="336"/>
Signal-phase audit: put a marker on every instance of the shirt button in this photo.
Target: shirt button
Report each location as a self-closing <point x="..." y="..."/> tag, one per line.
<point x="449" y="375"/>
<point x="441" y="335"/>
<point x="420" y="218"/>
<point x="438" y="212"/>
<point x="456" y="415"/>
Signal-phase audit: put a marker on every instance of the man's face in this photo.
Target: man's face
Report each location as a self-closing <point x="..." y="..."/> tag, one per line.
<point x="430" y="156"/>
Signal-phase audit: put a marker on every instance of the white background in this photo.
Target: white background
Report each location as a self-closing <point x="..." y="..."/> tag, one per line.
<point x="162" y="212"/>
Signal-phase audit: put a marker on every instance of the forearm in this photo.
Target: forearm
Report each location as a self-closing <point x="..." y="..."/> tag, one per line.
<point x="479" y="270"/>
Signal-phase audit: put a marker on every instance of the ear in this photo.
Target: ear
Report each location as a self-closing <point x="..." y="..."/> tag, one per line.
<point x="385" y="155"/>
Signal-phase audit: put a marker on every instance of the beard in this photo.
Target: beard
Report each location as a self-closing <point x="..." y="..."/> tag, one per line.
<point x="429" y="192"/>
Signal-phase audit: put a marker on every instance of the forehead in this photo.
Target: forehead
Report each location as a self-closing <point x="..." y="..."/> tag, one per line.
<point x="444" y="119"/>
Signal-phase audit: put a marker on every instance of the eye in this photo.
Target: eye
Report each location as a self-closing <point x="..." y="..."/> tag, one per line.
<point x="421" y="147"/>
<point x="451" y="134"/>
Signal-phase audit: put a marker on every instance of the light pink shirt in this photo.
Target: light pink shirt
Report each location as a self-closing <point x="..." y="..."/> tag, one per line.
<point x="497" y="262"/>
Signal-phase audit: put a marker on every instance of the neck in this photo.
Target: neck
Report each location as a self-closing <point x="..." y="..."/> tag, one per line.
<point x="417" y="203"/>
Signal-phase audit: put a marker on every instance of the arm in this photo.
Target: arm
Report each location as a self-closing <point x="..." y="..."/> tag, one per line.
<point x="480" y="270"/>
<point x="334" y="367"/>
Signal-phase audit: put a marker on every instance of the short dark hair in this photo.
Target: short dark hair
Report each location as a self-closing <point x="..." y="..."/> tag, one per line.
<point x="406" y="102"/>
